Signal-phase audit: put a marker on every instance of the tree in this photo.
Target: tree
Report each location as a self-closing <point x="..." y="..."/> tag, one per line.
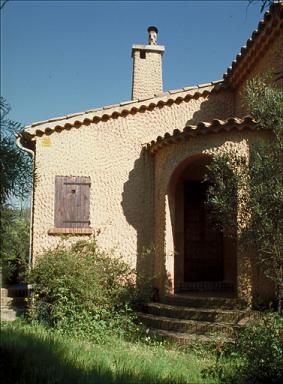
<point x="14" y="243"/>
<point x="15" y="170"/>
<point x="264" y="3"/>
<point x="246" y="195"/>
<point x="2" y="3"/>
<point x="15" y="165"/>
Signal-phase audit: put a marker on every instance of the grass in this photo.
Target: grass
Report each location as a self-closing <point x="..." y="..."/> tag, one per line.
<point x="32" y="354"/>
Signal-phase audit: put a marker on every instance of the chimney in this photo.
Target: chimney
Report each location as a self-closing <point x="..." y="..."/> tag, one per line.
<point x="147" y="67"/>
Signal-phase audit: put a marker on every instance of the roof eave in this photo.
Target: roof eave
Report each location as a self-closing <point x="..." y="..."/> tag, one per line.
<point x="266" y="32"/>
<point x="214" y="126"/>
<point x="123" y="109"/>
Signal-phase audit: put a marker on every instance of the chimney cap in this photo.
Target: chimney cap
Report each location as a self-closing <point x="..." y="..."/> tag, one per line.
<point x="152" y="28"/>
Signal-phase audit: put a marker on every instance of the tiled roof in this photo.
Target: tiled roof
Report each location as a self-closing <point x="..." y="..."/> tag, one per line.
<point x="261" y="38"/>
<point x="266" y="32"/>
<point x="122" y="109"/>
<point x="203" y="128"/>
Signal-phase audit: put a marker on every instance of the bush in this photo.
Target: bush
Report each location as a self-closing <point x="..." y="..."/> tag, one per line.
<point x="256" y="356"/>
<point x="14" y="241"/>
<point x="83" y="290"/>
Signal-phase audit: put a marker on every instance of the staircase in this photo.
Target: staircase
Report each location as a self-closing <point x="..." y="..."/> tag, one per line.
<point x="186" y="318"/>
<point x="13" y="303"/>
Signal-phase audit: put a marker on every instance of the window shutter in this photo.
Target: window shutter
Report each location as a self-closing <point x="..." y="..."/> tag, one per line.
<point x="72" y="195"/>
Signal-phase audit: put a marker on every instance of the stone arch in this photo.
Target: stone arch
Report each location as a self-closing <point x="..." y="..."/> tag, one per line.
<point x="169" y="234"/>
<point x="190" y="170"/>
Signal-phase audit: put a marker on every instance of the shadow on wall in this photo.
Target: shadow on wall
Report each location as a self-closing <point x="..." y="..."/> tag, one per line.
<point x="138" y="207"/>
<point x="264" y="290"/>
<point x="212" y="108"/>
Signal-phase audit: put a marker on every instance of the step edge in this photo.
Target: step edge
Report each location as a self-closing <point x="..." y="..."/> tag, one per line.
<point x="185" y="334"/>
<point x="183" y="321"/>
<point x="198" y="309"/>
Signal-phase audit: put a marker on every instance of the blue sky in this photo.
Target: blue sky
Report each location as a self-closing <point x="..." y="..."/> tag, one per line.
<point x="60" y="57"/>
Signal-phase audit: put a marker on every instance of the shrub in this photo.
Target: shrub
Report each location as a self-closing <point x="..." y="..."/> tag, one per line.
<point x="83" y="290"/>
<point x="256" y="356"/>
<point x="253" y="187"/>
<point x="14" y="240"/>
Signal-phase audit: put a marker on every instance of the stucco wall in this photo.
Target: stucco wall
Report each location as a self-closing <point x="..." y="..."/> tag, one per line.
<point x="121" y="172"/>
<point x="129" y="201"/>
<point x="271" y="61"/>
<point x="167" y="161"/>
<point x="147" y="74"/>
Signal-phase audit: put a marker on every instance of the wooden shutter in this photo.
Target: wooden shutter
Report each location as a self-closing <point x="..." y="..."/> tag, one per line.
<point x="72" y="202"/>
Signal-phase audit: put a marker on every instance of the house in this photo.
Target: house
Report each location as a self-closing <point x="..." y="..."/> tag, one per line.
<point x="132" y="171"/>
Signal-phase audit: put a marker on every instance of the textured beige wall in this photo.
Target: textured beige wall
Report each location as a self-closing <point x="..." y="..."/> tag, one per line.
<point x="129" y="201"/>
<point x="147" y="74"/>
<point x="271" y="61"/>
<point x="121" y="173"/>
<point x="167" y="161"/>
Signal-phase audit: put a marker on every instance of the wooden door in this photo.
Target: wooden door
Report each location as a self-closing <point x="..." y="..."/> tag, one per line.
<point x="203" y="249"/>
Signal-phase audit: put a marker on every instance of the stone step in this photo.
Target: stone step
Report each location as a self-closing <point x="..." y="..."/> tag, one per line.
<point x="218" y="315"/>
<point x="10" y="301"/>
<point x="11" y="313"/>
<point x="187" y="326"/>
<point x="187" y="339"/>
<point x="13" y="302"/>
<point x="199" y="301"/>
<point x="197" y="286"/>
<point x="14" y="291"/>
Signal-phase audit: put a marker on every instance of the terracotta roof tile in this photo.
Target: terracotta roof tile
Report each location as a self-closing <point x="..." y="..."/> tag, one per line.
<point x="173" y="91"/>
<point x="214" y="126"/>
<point x="267" y="30"/>
<point x="128" y="102"/>
<point x="111" y="106"/>
<point x="122" y="109"/>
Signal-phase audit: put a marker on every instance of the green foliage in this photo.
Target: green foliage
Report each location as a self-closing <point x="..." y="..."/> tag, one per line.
<point x="265" y="103"/>
<point x="246" y="194"/>
<point x="225" y="176"/>
<point x="265" y="230"/>
<point x="84" y="291"/>
<point x="32" y="354"/>
<point x="15" y="165"/>
<point x="15" y="170"/>
<point x="266" y="178"/>
<point x="14" y="244"/>
<point x="256" y="356"/>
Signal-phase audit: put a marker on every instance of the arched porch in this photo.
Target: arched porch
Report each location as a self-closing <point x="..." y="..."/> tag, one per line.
<point x="182" y="157"/>
<point x="204" y="256"/>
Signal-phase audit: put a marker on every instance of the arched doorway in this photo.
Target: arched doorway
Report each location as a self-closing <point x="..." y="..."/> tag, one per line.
<point x="205" y="259"/>
<point x="203" y="242"/>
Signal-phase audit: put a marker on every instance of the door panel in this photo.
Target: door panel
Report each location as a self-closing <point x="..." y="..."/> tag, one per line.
<point x="203" y="250"/>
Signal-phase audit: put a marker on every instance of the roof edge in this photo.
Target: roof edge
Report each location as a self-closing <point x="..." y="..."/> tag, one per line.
<point x="122" y="109"/>
<point x="264" y="35"/>
<point x="214" y="126"/>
